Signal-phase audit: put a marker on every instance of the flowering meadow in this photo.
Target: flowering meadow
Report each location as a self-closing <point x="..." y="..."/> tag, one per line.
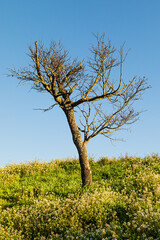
<point x="47" y="201"/>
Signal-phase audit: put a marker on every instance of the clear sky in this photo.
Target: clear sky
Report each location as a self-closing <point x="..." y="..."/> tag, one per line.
<point x="26" y="134"/>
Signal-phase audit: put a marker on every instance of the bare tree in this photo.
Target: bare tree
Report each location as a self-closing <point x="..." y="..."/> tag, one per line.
<point x="92" y="101"/>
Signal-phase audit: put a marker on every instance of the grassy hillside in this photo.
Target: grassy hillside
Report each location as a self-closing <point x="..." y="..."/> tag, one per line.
<point x="46" y="201"/>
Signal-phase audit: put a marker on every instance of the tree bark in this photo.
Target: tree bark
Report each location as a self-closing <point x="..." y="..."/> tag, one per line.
<point x="86" y="173"/>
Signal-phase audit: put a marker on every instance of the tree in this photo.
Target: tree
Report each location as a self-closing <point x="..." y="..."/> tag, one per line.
<point x="85" y="89"/>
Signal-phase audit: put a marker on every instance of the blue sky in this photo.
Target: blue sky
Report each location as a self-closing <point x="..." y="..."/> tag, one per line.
<point x="26" y="134"/>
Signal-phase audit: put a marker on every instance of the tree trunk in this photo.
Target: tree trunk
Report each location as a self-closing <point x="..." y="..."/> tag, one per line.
<point x="86" y="173"/>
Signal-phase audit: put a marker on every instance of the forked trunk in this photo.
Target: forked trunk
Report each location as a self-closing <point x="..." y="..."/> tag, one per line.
<point x="86" y="173"/>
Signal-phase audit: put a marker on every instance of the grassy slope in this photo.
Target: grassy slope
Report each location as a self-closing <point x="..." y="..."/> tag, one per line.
<point x="46" y="201"/>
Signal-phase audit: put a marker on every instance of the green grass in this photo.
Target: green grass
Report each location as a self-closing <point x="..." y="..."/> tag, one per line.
<point x="46" y="200"/>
